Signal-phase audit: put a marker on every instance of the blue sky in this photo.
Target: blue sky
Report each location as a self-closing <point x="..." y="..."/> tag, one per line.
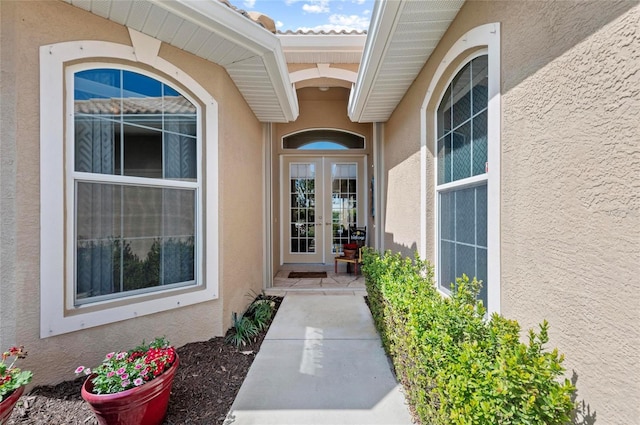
<point x="313" y="15"/>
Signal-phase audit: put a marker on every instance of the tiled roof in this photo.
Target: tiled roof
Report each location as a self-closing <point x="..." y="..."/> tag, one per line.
<point x="132" y="105"/>
<point x="331" y="32"/>
<point x="257" y="17"/>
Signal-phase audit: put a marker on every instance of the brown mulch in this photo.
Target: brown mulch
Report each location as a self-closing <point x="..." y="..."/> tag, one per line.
<point x="206" y="383"/>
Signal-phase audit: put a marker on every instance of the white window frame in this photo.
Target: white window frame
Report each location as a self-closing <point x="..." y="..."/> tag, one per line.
<point x="58" y="314"/>
<point x="481" y="40"/>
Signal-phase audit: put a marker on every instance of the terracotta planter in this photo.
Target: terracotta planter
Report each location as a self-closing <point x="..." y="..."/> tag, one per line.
<point x="143" y="405"/>
<point x="7" y="405"/>
<point x="349" y="253"/>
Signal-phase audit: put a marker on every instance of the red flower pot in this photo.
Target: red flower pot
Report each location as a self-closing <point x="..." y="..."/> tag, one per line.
<point x="143" y="405"/>
<point x="7" y="404"/>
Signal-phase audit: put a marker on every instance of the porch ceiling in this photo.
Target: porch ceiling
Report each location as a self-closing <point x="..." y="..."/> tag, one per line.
<point x="252" y="56"/>
<point x="402" y="36"/>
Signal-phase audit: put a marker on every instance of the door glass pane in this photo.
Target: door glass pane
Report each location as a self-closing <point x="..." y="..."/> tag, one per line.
<point x="302" y="208"/>
<point x="344" y="203"/>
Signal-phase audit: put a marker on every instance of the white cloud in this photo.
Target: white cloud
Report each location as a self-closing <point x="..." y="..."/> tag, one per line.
<point x="359" y="1"/>
<point x="249" y="3"/>
<point x="341" y="23"/>
<point x="316" y="6"/>
<point x="279" y="24"/>
<point x="350" y="21"/>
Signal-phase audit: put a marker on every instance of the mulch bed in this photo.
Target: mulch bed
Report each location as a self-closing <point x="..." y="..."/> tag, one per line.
<point x="204" y="388"/>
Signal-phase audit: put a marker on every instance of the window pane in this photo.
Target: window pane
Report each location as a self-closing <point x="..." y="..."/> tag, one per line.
<point x="447" y="264"/>
<point x="95" y="151"/>
<point x="323" y="140"/>
<point x="131" y="238"/>
<point x="142" y="152"/>
<point x="447" y="216"/>
<point x="479" y="143"/>
<point x="465" y="216"/>
<point x="481" y="215"/>
<point x="465" y="261"/>
<point x="461" y="152"/>
<point x="444" y="159"/>
<point x="480" y="83"/>
<point x="461" y="93"/>
<point x="444" y="114"/>
<point x="481" y="273"/>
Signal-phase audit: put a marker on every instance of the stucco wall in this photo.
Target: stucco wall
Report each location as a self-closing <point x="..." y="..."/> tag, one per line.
<point x="25" y="27"/>
<point x="570" y="184"/>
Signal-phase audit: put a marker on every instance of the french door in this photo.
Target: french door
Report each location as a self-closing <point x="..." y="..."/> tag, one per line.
<point x="322" y="196"/>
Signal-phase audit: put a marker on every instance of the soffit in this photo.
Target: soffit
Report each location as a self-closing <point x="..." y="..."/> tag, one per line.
<point x="402" y="36"/>
<point x="322" y="48"/>
<point x="211" y="30"/>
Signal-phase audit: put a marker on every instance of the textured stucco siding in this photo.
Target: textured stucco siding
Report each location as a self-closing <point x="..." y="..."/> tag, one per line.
<point x="25" y="27"/>
<point x="570" y="184"/>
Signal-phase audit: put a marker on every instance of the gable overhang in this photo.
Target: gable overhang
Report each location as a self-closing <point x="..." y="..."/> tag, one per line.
<point x="252" y="56"/>
<point x="402" y="36"/>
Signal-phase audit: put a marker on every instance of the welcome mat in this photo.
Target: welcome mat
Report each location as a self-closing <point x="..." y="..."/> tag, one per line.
<point x="307" y="275"/>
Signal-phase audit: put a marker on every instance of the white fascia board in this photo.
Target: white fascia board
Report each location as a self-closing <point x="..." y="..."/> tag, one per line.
<point x="219" y="18"/>
<point x="385" y="18"/>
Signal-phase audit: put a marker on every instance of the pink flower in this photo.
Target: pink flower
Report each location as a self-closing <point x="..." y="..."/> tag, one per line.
<point x="138" y="382"/>
<point x="138" y="366"/>
<point x="110" y="355"/>
<point x="110" y="374"/>
<point x="126" y="383"/>
<point x="124" y="376"/>
<point x="80" y="369"/>
<point x="121" y="356"/>
<point x="120" y="371"/>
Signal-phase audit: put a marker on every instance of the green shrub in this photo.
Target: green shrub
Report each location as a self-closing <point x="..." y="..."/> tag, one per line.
<point x="256" y="318"/>
<point x="457" y="365"/>
<point x="242" y="331"/>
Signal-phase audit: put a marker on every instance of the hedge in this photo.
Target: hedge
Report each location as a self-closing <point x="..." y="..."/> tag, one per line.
<point x="457" y="365"/>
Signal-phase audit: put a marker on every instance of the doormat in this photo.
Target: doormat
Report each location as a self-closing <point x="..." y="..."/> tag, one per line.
<point x="307" y="275"/>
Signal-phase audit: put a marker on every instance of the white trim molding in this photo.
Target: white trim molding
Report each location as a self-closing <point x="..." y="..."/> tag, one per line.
<point x="483" y="38"/>
<point x="55" y="315"/>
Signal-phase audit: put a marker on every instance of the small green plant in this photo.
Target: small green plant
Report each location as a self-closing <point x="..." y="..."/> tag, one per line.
<point x="243" y="330"/>
<point x="261" y="311"/>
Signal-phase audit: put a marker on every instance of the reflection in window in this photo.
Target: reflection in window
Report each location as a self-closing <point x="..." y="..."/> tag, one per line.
<point x="132" y="237"/>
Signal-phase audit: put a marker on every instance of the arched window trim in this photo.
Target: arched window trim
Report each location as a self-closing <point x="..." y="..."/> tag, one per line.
<point x="340" y="130"/>
<point x="56" y="292"/>
<point x="481" y="40"/>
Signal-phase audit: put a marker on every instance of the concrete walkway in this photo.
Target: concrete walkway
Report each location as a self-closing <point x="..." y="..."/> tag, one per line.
<point x="320" y="363"/>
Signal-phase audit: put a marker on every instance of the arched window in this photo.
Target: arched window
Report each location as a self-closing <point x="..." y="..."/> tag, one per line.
<point x="323" y="140"/>
<point x="136" y="184"/>
<point x="462" y="155"/>
<point x="123" y="188"/>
